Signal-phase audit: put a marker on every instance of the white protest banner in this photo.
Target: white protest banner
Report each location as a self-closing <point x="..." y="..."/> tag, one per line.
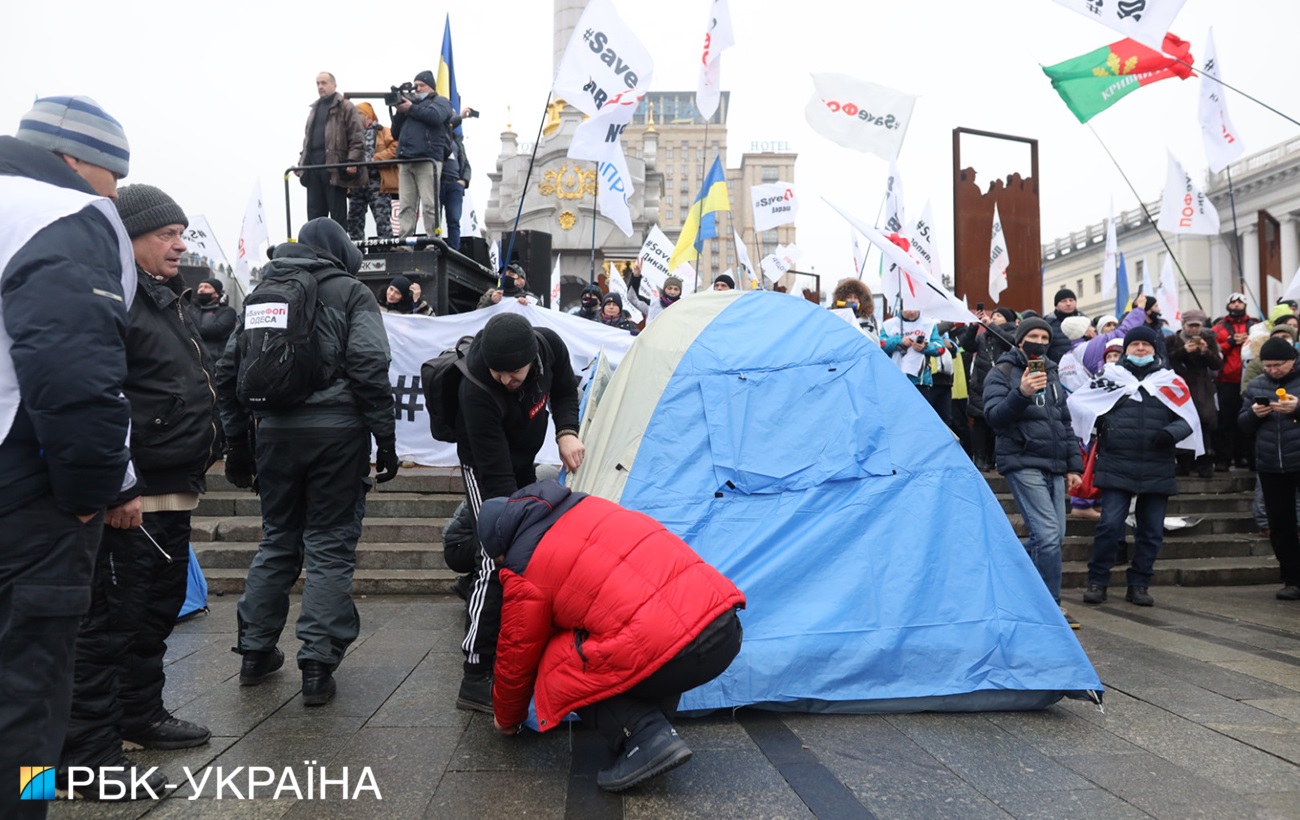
<point x="199" y="239"/>
<point x="1293" y="289"/>
<point x="1222" y="145"/>
<point x="1109" y="271"/>
<point x="1184" y="207"/>
<point x="555" y="285"/>
<point x="469" y="224"/>
<point x="413" y="340"/>
<point x="859" y="115"/>
<point x="1167" y="296"/>
<point x="253" y="239"/>
<point x="999" y="260"/>
<point x="1146" y="21"/>
<point x="894" y="210"/>
<point x="654" y="256"/>
<point x="494" y="253"/>
<point x="742" y="259"/>
<point x="718" y="37"/>
<point x="924" y="245"/>
<point x="774" y="267"/>
<point x="775" y="204"/>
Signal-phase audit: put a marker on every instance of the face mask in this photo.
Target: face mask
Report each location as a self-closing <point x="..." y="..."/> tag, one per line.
<point x="207" y="298"/>
<point x="1034" y="350"/>
<point x="423" y="95"/>
<point x="1141" y="361"/>
<point x="588" y="302"/>
<point x="1236" y="311"/>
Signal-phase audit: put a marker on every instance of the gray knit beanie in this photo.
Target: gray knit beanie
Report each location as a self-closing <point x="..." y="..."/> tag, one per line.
<point x="144" y="208"/>
<point x="78" y="127"/>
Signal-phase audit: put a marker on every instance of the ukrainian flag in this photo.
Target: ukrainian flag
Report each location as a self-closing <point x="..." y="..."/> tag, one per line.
<point x="446" y="87"/>
<point x="701" y="224"/>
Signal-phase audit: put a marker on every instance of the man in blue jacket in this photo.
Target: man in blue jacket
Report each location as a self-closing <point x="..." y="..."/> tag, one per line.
<point x="1036" y="450"/>
<point x="423" y="131"/>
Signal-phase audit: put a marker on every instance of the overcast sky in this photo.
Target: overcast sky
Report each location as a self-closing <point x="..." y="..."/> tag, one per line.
<point x="214" y="97"/>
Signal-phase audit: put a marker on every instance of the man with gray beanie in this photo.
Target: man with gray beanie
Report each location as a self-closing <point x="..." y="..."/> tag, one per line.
<point x="313" y="454"/>
<point x="516" y="373"/>
<point x="66" y="280"/>
<point x="142" y="567"/>
<point x="423" y="130"/>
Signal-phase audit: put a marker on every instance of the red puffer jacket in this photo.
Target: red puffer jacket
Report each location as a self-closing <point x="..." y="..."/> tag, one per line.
<point x="607" y="598"/>
<point x="1223" y="332"/>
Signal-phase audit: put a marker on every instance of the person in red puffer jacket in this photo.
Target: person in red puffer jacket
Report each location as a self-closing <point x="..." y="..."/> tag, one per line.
<point x="606" y="613"/>
<point x="1231" y="446"/>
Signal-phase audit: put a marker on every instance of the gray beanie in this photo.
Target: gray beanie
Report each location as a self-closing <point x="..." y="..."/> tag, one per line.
<point x="78" y="127"/>
<point x="144" y="208"/>
<point x="1032" y="323"/>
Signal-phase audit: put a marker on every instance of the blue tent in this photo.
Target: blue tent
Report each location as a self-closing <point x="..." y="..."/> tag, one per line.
<point x="196" y="591"/>
<point x="789" y="451"/>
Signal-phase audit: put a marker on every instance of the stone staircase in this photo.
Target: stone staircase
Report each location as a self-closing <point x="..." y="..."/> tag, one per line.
<point x="401" y="541"/>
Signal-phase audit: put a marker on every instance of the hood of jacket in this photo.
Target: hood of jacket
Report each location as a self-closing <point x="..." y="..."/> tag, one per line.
<point x="328" y="237"/>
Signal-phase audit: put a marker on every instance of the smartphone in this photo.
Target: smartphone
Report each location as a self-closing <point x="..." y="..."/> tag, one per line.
<point x="979" y="307"/>
<point x="1263" y="401"/>
<point x="1037" y="366"/>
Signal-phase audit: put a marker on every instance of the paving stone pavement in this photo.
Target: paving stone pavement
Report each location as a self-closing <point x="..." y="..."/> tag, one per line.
<point x="1201" y="719"/>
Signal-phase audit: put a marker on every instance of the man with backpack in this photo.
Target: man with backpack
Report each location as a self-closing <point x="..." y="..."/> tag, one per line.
<point x="310" y="363"/>
<point x="512" y="378"/>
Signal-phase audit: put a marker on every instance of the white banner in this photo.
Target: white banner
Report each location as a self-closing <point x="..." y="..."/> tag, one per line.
<point x="253" y="239"/>
<point x="1109" y="277"/>
<point x="1185" y="208"/>
<point x="718" y="37"/>
<point x="494" y="254"/>
<point x="1168" y="295"/>
<point x="416" y="339"/>
<point x="469" y="223"/>
<point x="555" y="285"/>
<point x="999" y="260"/>
<point x="742" y="259"/>
<point x="654" y="256"/>
<point x="1222" y="145"/>
<point x="924" y="244"/>
<point x="1146" y="21"/>
<point x="775" y="204"/>
<point x="200" y="239"/>
<point x="859" y="115"/>
<point x="894" y="206"/>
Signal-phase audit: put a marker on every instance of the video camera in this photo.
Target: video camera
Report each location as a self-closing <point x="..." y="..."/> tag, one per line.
<point x="405" y="91"/>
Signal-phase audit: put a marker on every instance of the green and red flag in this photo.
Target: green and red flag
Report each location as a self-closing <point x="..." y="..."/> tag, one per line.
<point x="1093" y="82"/>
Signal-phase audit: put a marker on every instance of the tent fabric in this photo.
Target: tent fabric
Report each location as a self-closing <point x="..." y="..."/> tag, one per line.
<point x="196" y="591"/>
<point x="790" y="452"/>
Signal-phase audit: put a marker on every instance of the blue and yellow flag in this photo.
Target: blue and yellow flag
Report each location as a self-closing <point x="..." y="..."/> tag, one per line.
<point x="1121" y="288"/>
<point x="447" y="71"/>
<point x="701" y="224"/>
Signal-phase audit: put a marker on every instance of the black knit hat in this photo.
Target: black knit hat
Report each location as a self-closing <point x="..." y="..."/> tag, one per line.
<point x="1032" y="323"/>
<point x="1007" y="313"/>
<point x="507" y="342"/>
<point x="724" y="278"/>
<point x="1141" y="333"/>
<point x="1063" y="293"/>
<point x="427" y="78"/>
<point x="612" y="297"/>
<point x="144" y="208"/>
<point x="1277" y="350"/>
<point x="216" y="285"/>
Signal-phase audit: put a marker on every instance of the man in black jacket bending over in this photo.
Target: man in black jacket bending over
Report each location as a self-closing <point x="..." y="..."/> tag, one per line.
<point x="516" y="373"/>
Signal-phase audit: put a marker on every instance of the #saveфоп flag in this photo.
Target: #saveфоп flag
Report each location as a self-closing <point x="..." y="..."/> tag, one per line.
<point x="1093" y="82"/>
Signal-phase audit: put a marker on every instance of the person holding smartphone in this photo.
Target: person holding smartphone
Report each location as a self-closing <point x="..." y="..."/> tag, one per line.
<point x="1036" y="449"/>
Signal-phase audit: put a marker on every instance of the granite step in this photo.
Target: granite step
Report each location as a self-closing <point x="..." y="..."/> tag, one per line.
<point x="1218" y="523"/>
<point x="1229" y="545"/>
<point x="413" y="505"/>
<point x="408" y="480"/>
<point x="1187" y="572"/>
<point x="364" y="582"/>
<point x="378" y="556"/>
<point x="1186" y="504"/>
<point x="374" y="530"/>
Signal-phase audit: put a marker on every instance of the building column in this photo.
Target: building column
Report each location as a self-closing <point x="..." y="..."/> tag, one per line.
<point x="1290" y="247"/>
<point x="1250" y="265"/>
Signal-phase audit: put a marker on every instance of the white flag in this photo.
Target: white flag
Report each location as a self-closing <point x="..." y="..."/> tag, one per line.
<point x="924" y="244"/>
<point x="494" y="253"/>
<point x="1109" y="275"/>
<point x="774" y="267"/>
<point x="253" y="239"/>
<point x="654" y="257"/>
<point x="200" y="239"/>
<point x="1293" y="289"/>
<point x="742" y="259"/>
<point x="1148" y="289"/>
<point x="1184" y="208"/>
<point x="1221" y="143"/>
<point x="859" y="259"/>
<point x="859" y="115"/>
<point x="469" y="224"/>
<point x="775" y="204"/>
<point x="894" y="214"/>
<point x="689" y="277"/>
<point x="1168" y="295"/>
<point x="1146" y="21"/>
<point x="718" y="36"/>
<point x="555" y="285"/>
<point x="999" y="261"/>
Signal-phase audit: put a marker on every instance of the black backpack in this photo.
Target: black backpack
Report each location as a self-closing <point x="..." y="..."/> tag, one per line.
<point x="440" y="379"/>
<point x="280" y="361"/>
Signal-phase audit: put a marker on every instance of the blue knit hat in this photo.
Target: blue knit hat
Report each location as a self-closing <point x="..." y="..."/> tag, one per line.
<point x="78" y="127"/>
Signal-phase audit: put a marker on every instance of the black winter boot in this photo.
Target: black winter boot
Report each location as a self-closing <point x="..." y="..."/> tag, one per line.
<point x="317" y="683"/>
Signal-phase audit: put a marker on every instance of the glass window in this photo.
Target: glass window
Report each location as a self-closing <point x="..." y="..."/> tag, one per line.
<point x="1096" y="282"/>
<point x="1078" y="286"/>
<point x="670" y="199"/>
<point x="769" y="174"/>
<point x="670" y="170"/>
<point x="668" y="153"/>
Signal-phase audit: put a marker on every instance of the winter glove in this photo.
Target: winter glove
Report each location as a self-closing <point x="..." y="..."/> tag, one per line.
<point x="241" y="468"/>
<point x="386" y="462"/>
<point x="1162" y="440"/>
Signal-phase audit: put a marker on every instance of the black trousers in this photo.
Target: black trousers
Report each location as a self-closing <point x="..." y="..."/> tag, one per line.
<point x="983" y="442"/>
<point x="1280" y="505"/>
<point x="136" y="596"/>
<point x="46" y="565"/>
<point x="324" y="199"/>
<point x="483" y="604"/>
<point x="1230" y="443"/>
<point x="699" y="662"/>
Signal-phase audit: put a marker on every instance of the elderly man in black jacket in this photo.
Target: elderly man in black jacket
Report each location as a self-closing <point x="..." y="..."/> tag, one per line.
<point x="1036" y="451"/>
<point x="1065" y="302"/>
<point x="1273" y="421"/>
<point x="141" y="572"/>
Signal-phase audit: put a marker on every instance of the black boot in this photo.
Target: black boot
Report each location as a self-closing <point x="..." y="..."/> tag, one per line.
<point x="317" y="683"/>
<point x="475" y="692"/>
<point x="652" y="749"/>
<point x="257" y="666"/>
<point x="1139" y="596"/>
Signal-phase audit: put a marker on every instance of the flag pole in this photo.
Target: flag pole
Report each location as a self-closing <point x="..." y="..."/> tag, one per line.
<point x="595" y="200"/>
<point x="1150" y="218"/>
<point x="699" y="218"/>
<point x="1236" y="243"/>
<point x="532" y="158"/>
<point x="1233" y="88"/>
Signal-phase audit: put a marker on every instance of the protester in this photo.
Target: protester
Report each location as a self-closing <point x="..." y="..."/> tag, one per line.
<point x="422" y="128"/>
<point x="67" y="276"/>
<point x="456" y="173"/>
<point x="588" y="306"/>
<point x="648" y="617"/>
<point x="422" y="308"/>
<point x="910" y="342"/>
<point x="214" y="318"/>
<point x="398" y="297"/>
<point x="613" y="315"/>
<point x="1232" y="332"/>
<point x="517" y="376"/>
<point x="142" y="570"/>
<point x="1194" y="355"/>
<point x="1268" y="412"/>
<point x="1037" y="452"/>
<point x="1138" y="424"/>
<point x="853" y="294"/>
<point x="1109" y="330"/>
<point x="1079" y="331"/>
<point x="988" y="341"/>
<point x="375" y="137"/>
<point x="312" y="466"/>
<point x="724" y="282"/>
<point x="1255" y="342"/>
<point x="668" y="296"/>
<point x="514" y="286"/>
<point x="1065" y="302"/>
<point x="334" y="134"/>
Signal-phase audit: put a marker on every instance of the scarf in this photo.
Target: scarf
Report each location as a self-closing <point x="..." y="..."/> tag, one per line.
<point x="1115" y="383"/>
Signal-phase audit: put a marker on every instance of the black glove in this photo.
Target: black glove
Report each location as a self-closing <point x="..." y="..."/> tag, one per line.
<point x="1162" y="440"/>
<point x="386" y="462"/>
<point x="240" y="466"/>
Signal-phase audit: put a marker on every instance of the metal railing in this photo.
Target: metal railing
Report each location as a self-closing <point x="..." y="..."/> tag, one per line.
<point x="292" y="170"/>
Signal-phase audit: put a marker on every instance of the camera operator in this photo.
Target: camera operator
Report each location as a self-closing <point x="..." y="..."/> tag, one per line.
<point x="455" y="178"/>
<point x="421" y="123"/>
